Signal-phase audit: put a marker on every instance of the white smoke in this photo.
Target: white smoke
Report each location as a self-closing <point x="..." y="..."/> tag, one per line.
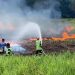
<point x="14" y="15"/>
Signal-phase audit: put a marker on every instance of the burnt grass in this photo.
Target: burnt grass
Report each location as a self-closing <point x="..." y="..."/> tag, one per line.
<point x="50" y="46"/>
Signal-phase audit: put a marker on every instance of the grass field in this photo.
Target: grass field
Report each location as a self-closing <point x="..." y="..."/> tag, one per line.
<point x="60" y="64"/>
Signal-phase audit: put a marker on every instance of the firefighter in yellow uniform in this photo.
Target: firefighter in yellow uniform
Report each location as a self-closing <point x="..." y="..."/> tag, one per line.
<point x="39" y="49"/>
<point x="9" y="50"/>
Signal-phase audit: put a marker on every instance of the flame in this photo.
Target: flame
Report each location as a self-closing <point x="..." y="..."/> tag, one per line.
<point x="32" y="39"/>
<point x="65" y="36"/>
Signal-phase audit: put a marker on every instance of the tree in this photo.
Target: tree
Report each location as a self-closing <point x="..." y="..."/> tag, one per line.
<point x="66" y="10"/>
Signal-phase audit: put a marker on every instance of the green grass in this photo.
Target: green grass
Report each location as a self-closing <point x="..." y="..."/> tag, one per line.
<point x="60" y="64"/>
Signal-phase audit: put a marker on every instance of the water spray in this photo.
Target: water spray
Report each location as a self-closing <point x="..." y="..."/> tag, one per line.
<point x="28" y="32"/>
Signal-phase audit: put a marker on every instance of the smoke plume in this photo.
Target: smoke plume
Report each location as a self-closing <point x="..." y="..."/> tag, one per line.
<point x="16" y="14"/>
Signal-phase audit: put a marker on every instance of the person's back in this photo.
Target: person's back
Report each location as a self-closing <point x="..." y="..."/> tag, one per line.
<point x="8" y="50"/>
<point x="39" y="48"/>
<point x="38" y="45"/>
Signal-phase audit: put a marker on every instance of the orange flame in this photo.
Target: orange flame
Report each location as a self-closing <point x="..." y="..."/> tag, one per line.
<point x="65" y="35"/>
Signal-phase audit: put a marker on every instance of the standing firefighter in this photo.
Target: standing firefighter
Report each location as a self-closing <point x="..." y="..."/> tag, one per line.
<point x="39" y="49"/>
<point x="2" y="46"/>
<point x="9" y="50"/>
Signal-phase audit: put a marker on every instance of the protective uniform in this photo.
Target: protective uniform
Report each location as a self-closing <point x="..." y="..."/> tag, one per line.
<point x="38" y="45"/>
<point x="39" y="48"/>
<point x="8" y="51"/>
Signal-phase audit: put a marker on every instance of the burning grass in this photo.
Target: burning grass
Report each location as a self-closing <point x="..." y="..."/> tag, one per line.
<point x="60" y="64"/>
<point x="65" y="41"/>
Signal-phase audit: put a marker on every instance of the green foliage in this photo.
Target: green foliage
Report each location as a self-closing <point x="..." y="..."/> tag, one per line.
<point x="61" y="64"/>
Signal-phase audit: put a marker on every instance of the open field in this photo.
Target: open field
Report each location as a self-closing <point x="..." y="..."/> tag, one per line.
<point x="59" y="64"/>
<point x="57" y="61"/>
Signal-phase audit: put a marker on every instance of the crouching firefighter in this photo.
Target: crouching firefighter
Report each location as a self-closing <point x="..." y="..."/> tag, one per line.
<point x="8" y="49"/>
<point x="39" y="49"/>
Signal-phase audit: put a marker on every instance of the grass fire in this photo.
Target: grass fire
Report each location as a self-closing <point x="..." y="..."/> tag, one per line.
<point x="37" y="37"/>
<point x="52" y="55"/>
<point x="61" y="43"/>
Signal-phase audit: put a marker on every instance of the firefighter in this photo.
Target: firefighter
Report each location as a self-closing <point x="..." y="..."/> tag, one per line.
<point x="2" y="46"/>
<point x="39" y="49"/>
<point x="8" y="49"/>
